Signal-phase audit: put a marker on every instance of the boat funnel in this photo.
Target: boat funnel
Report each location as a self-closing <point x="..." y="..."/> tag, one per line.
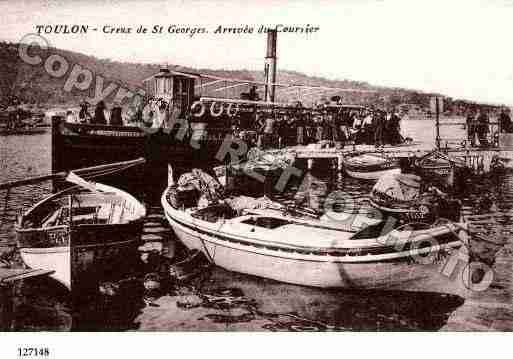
<point x="270" y="65"/>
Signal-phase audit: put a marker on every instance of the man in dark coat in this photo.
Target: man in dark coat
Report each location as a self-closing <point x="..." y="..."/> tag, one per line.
<point x="12" y="117"/>
<point x="471" y="127"/>
<point x="83" y="115"/>
<point x="300" y="128"/>
<point x="380" y="122"/>
<point x="115" y="116"/>
<point x="505" y="122"/>
<point x="394" y="128"/>
<point x="483" y="127"/>
<point x="99" y="115"/>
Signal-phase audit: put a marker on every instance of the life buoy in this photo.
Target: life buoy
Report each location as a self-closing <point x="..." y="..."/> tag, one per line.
<point x="201" y="109"/>
<point x="229" y="109"/>
<point x="213" y="110"/>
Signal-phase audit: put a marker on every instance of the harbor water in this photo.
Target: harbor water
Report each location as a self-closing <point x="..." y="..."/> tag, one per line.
<point x="221" y="300"/>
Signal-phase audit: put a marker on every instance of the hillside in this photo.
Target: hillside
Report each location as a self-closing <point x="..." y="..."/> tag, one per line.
<point x="31" y="83"/>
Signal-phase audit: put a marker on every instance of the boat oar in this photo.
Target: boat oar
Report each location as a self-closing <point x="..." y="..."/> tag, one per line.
<point x="93" y="171"/>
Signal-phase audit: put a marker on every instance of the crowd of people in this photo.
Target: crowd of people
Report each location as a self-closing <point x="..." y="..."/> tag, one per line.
<point x="478" y="125"/>
<point x="102" y="115"/>
<point x="276" y="129"/>
<point x="337" y="125"/>
<point x="299" y="126"/>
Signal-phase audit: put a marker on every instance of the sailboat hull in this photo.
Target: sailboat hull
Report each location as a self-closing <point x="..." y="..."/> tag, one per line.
<point x="398" y="271"/>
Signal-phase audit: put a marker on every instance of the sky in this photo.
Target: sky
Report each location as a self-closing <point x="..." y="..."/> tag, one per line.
<point x="459" y="48"/>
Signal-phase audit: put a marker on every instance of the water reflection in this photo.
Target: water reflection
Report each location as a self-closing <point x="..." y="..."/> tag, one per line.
<point x="487" y="204"/>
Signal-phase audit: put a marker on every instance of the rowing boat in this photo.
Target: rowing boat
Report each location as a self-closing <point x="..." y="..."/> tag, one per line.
<point x="440" y="169"/>
<point x="370" y="166"/>
<point x="83" y="234"/>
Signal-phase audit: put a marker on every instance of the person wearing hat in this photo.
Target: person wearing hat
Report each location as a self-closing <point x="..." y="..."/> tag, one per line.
<point x="115" y="115"/>
<point x="379" y="129"/>
<point x="99" y="114"/>
<point x="11" y="117"/>
<point x="269" y="131"/>
<point x="505" y="121"/>
<point x="394" y="128"/>
<point x="470" y="121"/>
<point x="356" y="126"/>
<point x="483" y="127"/>
<point x="319" y="128"/>
<point x="300" y="128"/>
<point x="368" y="127"/>
<point x="84" y="116"/>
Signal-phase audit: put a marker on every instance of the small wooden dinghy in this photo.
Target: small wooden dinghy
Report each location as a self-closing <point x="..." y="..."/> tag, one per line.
<point x="396" y="193"/>
<point x="258" y="174"/>
<point x="370" y="166"/>
<point x="82" y="235"/>
<point x="440" y="169"/>
<point x="405" y="196"/>
<point x="321" y="252"/>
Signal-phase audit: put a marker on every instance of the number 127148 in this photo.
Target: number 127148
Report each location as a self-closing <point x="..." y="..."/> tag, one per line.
<point x="33" y="352"/>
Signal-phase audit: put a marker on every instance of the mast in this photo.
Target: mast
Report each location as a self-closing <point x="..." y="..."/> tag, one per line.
<point x="437" y="112"/>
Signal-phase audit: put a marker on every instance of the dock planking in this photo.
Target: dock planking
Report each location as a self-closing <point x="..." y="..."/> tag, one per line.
<point x="479" y="159"/>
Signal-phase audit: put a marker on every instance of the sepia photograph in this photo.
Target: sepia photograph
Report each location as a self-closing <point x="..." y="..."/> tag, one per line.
<point x="266" y="166"/>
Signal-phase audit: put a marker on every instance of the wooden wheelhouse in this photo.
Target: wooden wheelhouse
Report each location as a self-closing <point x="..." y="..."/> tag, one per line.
<point x="175" y="87"/>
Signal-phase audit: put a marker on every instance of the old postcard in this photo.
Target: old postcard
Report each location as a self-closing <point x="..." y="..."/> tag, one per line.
<point x="260" y="166"/>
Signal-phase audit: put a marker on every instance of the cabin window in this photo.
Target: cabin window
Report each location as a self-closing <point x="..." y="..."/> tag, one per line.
<point x="160" y="86"/>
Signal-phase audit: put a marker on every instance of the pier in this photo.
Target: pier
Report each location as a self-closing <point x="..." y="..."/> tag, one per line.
<point x="478" y="159"/>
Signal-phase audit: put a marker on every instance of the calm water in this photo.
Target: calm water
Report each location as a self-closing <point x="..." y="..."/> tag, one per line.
<point x="23" y="156"/>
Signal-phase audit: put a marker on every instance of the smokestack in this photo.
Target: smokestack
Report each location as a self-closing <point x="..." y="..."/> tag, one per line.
<point x="270" y="65"/>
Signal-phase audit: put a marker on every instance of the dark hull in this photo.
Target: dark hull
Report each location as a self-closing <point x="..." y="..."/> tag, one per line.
<point x="85" y="256"/>
<point x="351" y="165"/>
<point x="78" y="146"/>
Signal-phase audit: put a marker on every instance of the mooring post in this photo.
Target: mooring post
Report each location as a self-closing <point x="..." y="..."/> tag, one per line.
<point x="309" y="163"/>
<point x="340" y="157"/>
<point x="170" y="176"/>
<point x="230" y="178"/>
<point x="56" y="149"/>
<point x="487" y="163"/>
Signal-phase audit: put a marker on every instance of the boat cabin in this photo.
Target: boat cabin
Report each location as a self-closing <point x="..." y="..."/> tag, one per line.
<point x="175" y="87"/>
